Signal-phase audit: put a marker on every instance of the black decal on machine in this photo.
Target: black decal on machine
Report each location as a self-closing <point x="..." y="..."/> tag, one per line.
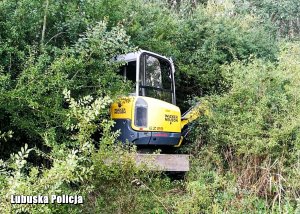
<point x="120" y="111"/>
<point x="171" y="118"/>
<point x="156" y="128"/>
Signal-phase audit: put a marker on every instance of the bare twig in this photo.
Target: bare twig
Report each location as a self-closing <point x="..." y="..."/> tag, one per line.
<point x="56" y="35"/>
<point x="44" y="22"/>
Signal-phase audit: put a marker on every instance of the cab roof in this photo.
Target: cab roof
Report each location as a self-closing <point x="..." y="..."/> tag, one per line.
<point x="134" y="55"/>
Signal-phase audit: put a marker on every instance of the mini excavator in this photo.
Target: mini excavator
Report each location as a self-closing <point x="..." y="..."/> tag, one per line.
<point x="149" y="116"/>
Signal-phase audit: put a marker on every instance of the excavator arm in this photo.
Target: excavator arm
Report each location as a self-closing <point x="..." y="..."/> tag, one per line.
<point x="189" y="116"/>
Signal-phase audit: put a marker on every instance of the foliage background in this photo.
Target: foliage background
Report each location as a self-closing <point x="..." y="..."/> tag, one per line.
<point x="57" y="79"/>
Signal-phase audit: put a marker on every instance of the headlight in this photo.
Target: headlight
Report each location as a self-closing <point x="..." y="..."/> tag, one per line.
<point x="140" y="113"/>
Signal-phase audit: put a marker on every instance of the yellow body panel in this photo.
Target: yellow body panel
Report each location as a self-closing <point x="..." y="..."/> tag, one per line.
<point x="162" y="116"/>
<point x="123" y="108"/>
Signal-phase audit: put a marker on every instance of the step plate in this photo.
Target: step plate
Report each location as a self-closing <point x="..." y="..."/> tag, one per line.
<point x="164" y="162"/>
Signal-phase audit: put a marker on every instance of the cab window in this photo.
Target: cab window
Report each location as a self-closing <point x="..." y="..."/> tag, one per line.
<point x="156" y="78"/>
<point x="128" y="71"/>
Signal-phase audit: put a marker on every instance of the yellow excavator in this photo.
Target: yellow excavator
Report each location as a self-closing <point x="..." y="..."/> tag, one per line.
<point x="149" y="115"/>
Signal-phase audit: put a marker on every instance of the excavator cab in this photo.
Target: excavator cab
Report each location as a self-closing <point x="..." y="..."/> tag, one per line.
<point x="149" y="115"/>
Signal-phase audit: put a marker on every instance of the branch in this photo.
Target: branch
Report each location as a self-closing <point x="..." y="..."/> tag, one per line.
<point x="44" y="23"/>
<point x="56" y="35"/>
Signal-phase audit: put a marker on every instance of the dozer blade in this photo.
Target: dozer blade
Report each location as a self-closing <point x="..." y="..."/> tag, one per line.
<point x="164" y="162"/>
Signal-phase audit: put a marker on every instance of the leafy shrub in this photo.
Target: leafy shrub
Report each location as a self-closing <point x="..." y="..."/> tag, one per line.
<point x="199" y="38"/>
<point x="33" y="103"/>
<point x="253" y="130"/>
<point x="73" y="169"/>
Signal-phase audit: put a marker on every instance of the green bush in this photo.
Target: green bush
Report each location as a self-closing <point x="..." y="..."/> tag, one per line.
<point x="253" y="130"/>
<point x="76" y="169"/>
<point x="199" y="38"/>
<point x="33" y="104"/>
